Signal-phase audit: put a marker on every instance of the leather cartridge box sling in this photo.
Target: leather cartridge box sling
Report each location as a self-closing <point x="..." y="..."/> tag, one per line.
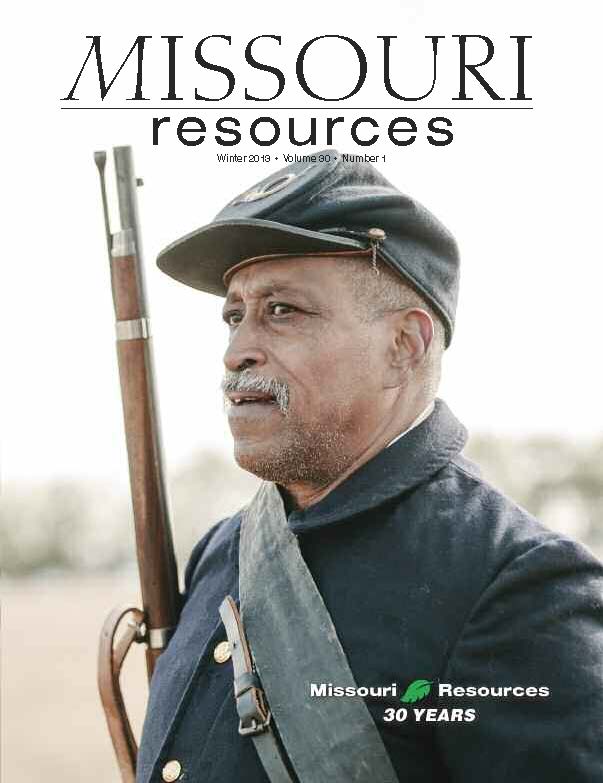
<point x="294" y="643"/>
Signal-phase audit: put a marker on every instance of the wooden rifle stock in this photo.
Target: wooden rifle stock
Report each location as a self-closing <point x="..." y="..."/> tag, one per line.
<point x="154" y="545"/>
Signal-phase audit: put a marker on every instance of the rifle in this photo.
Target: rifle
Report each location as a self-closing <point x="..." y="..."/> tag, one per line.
<point x="154" y="544"/>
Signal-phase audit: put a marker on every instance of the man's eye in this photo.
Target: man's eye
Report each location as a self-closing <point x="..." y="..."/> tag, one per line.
<point x="233" y="318"/>
<point x="277" y="308"/>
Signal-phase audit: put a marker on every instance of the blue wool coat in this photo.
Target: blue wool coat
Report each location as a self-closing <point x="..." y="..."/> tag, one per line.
<point x="428" y="573"/>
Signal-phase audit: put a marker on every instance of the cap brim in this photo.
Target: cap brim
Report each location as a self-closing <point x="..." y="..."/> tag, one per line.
<point x="202" y="258"/>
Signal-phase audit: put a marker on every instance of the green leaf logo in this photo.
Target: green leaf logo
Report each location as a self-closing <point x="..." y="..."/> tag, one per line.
<point x="417" y="690"/>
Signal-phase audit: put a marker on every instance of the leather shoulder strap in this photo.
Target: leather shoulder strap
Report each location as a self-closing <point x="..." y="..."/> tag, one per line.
<point x="294" y="644"/>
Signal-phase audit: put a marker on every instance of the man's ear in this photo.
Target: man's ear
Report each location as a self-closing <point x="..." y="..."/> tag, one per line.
<point x="411" y="334"/>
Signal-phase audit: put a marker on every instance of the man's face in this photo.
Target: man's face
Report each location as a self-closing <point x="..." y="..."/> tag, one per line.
<point x="296" y="334"/>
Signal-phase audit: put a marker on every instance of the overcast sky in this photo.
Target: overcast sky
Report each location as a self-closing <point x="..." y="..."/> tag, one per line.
<point x="519" y="189"/>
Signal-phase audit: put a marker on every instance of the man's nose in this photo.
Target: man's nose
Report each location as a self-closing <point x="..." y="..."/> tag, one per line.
<point x="244" y="350"/>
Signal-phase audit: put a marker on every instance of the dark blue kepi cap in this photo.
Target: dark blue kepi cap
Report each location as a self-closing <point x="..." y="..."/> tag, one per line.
<point x="325" y="202"/>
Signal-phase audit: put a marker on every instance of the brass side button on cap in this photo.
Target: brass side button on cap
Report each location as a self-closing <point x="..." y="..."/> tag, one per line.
<point x="171" y="771"/>
<point x="376" y="234"/>
<point x="222" y="652"/>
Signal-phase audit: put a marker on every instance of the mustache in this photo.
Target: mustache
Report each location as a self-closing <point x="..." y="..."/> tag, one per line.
<point x="247" y="380"/>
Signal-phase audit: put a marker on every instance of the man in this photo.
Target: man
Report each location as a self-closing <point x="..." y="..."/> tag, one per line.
<point x="393" y="561"/>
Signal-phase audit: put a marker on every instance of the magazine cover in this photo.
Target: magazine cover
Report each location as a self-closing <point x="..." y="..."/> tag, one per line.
<point x="302" y="444"/>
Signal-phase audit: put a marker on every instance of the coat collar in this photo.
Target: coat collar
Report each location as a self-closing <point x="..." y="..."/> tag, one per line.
<point x="409" y="461"/>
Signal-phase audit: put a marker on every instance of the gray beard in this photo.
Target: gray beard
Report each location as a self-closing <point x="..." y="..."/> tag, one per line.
<point x="312" y="453"/>
<point x="304" y="455"/>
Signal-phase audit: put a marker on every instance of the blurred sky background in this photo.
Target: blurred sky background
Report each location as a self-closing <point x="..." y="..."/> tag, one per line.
<point x="519" y="189"/>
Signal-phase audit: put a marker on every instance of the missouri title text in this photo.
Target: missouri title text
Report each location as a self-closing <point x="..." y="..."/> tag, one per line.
<point x="467" y="71"/>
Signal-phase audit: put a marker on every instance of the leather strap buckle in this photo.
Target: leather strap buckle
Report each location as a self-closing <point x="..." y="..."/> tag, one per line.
<point x="255" y="728"/>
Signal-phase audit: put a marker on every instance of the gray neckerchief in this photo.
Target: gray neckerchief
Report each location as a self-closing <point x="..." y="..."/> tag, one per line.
<point x="294" y="643"/>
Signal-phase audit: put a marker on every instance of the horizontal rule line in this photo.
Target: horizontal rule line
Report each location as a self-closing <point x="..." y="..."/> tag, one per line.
<point x="299" y="108"/>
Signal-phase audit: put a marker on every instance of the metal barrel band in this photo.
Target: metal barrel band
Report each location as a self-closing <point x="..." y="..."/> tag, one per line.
<point x="134" y="329"/>
<point x="123" y="244"/>
<point x="158" y="638"/>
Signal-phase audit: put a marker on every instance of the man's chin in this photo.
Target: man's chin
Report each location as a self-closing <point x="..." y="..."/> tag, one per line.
<point x="285" y="465"/>
<point x="257" y="463"/>
<point x="266" y="460"/>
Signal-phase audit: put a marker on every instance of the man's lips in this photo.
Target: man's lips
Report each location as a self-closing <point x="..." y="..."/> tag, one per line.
<point x="250" y="397"/>
<point x="250" y="406"/>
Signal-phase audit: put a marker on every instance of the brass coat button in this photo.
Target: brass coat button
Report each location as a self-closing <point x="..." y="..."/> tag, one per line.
<point x="222" y="652"/>
<point x="171" y="771"/>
